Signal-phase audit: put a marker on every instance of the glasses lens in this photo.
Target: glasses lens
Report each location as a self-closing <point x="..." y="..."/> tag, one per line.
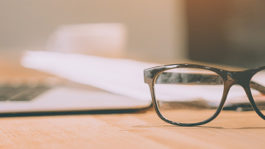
<point x="188" y="95"/>
<point x="257" y="85"/>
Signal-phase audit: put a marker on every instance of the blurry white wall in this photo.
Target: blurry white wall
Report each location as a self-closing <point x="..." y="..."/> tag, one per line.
<point x="156" y="29"/>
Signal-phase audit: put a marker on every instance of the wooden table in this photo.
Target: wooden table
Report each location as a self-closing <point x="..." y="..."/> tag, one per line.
<point x="142" y="129"/>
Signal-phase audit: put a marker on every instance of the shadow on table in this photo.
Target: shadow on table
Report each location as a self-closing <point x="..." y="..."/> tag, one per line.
<point x="197" y="127"/>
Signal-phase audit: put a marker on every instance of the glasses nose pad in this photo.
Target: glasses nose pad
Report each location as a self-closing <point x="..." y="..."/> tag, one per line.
<point x="249" y="95"/>
<point x="251" y="100"/>
<point x="224" y="96"/>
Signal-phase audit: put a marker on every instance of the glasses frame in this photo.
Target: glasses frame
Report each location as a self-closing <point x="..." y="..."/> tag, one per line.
<point x="230" y="78"/>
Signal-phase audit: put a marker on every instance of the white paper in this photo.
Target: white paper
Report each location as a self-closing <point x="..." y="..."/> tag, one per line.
<point x="120" y="76"/>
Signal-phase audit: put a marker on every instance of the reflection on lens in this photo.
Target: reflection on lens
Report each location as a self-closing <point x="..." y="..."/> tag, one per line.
<point x="257" y="85"/>
<point x="188" y="95"/>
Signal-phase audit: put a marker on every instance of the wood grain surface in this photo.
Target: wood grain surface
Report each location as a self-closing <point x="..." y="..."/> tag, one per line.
<point x="131" y="130"/>
<point x="141" y="129"/>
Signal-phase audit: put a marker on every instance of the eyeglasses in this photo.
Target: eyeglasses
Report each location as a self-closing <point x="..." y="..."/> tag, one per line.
<point x="190" y="94"/>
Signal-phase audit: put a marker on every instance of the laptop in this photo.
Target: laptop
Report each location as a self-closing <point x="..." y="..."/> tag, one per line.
<point x="43" y="98"/>
<point x="64" y="96"/>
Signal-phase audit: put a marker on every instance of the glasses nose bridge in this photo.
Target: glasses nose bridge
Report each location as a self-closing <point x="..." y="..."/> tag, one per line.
<point x="240" y="78"/>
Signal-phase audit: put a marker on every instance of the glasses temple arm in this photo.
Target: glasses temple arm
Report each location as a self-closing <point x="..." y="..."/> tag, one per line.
<point x="257" y="87"/>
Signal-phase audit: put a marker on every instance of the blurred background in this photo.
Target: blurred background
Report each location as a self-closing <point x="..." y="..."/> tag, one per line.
<point x="228" y="32"/>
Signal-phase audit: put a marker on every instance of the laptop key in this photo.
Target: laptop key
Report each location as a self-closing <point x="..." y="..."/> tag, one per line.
<point x="29" y="94"/>
<point x="7" y="91"/>
<point x="3" y="98"/>
<point x="21" y="93"/>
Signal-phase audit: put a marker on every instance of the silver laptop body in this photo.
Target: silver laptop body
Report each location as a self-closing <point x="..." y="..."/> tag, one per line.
<point x="37" y="98"/>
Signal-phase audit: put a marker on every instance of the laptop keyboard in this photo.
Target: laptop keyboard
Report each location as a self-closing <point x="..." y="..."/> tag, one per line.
<point x="22" y="92"/>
